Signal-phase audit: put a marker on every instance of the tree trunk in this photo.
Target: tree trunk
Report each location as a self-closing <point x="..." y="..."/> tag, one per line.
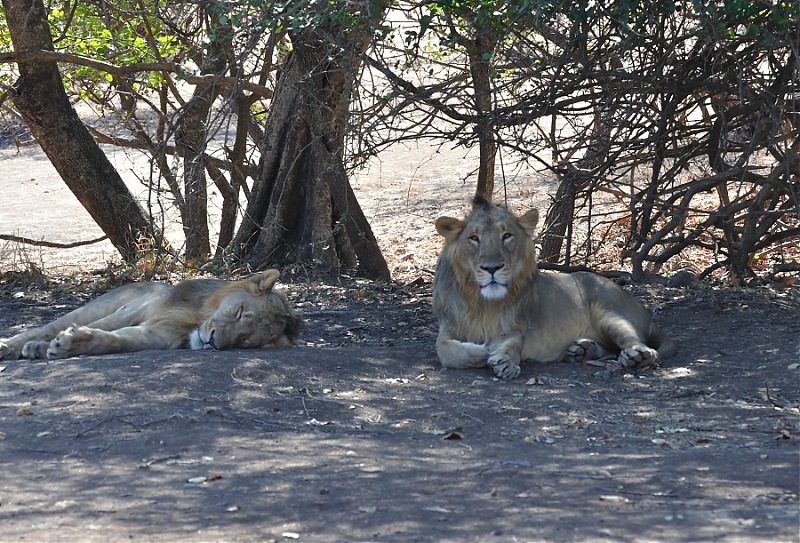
<point x="560" y="215"/>
<point x="480" y="67"/>
<point x="39" y="96"/>
<point x="302" y="209"/>
<point x="192" y="137"/>
<point x="576" y="179"/>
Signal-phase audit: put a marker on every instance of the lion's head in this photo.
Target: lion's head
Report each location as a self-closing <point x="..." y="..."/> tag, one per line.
<point x="247" y="314"/>
<point x="491" y="252"/>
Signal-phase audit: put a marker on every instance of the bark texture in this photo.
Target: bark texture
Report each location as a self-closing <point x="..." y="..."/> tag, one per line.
<point x="42" y="102"/>
<point x="302" y="209"/>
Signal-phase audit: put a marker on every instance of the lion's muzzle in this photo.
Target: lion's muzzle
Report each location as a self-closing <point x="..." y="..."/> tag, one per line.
<point x="197" y="343"/>
<point x="492" y="286"/>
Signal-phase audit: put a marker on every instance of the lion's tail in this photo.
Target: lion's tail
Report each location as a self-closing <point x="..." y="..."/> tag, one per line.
<point x="659" y="341"/>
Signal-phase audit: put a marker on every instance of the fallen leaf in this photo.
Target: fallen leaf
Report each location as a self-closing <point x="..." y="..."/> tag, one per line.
<point x="670" y="430"/>
<point x="290" y="535"/>
<point x="315" y="422"/>
<point x="367" y="509"/>
<point x="286" y="390"/>
<point x="453" y="436"/>
<point x="436" y="509"/>
<point x="613" y="498"/>
<point x="202" y="479"/>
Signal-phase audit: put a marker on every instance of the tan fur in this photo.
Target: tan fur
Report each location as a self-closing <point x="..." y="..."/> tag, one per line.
<point x="200" y="313"/>
<point x="496" y="308"/>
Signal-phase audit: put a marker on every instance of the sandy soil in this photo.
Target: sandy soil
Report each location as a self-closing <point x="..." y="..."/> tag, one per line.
<point x="402" y="194"/>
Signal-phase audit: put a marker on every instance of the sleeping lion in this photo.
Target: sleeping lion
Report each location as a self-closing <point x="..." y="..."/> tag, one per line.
<point x="495" y="308"/>
<point x="199" y="313"/>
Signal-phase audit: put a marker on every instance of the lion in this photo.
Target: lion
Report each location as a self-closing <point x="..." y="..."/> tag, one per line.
<point x="198" y="313"/>
<point x="495" y="308"/>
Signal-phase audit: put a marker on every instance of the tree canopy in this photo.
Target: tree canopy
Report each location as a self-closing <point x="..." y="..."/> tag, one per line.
<point x="671" y="128"/>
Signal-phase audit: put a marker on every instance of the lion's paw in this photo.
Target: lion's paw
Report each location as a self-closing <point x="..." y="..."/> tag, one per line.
<point x="33" y="350"/>
<point x="638" y="356"/>
<point x="503" y="367"/>
<point x="66" y="343"/>
<point x="7" y="352"/>
<point x="582" y="350"/>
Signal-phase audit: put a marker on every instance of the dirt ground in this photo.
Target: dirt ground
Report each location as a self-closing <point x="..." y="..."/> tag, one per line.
<point x="359" y="435"/>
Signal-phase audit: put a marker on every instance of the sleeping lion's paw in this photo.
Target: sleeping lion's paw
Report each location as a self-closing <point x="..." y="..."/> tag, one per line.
<point x="34" y="350"/>
<point x="581" y="351"/>
<point x="7" y="352"/>
<point x="504" y="367"/>
<point x="67" y="343"/>
<point x="638" y="356"/>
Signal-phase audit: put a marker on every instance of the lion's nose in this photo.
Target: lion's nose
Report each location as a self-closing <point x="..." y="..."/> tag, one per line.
<point x="491" y="269"/>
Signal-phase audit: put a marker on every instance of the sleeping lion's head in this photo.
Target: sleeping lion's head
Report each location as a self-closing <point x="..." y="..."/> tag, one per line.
<point x="491" y="251"/>
<point x="247" y="314"/>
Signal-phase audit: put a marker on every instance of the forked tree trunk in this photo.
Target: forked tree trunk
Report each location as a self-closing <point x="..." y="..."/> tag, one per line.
<point x="302" y="208"/>
<point x="39" y="96"/>
<point x="557" y="224"/>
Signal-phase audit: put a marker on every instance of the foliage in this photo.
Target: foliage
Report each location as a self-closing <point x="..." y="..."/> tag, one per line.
<point x="671" y="126"/>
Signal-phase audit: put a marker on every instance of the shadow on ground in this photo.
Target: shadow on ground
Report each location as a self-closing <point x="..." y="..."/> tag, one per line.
<point x="358" y="435"/>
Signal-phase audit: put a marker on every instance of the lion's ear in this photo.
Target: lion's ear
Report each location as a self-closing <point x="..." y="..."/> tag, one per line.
<point x="263" y="282"/>
<point x="449" y="228"/>
<point x="529" y="220"/>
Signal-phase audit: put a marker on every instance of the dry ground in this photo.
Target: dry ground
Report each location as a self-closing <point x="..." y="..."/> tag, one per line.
<point x="359" y="435"/>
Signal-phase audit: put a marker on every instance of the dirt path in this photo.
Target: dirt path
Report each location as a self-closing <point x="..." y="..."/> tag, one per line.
<point x="358" y="435"/>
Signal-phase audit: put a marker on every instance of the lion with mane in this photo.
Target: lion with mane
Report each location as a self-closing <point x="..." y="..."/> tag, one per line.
<point x="495" y="308"/>
<point x="198" y="313"/>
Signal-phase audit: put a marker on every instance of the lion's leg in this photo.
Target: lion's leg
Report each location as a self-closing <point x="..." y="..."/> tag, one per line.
<point x="634" y="352"/>
<point x="75" y="341"/>
<point x="27" y="344"/>
<point x="504" y="357"/>
<point x="104" y="310"/>
<point x="460" y="354"/>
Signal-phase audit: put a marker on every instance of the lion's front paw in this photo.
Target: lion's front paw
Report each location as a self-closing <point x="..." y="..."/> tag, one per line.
<point x="638" y="356"/>
<point x="66" y="343"/>
<point x="33" y="350"/>
<point x="504" y="367"/>
<point x="581" y="351"/>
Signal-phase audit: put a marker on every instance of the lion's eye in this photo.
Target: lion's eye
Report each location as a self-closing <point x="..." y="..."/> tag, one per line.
<point x="507" y="236"/>
<point x="239" y="313"/>
<point x="474" y="238"/>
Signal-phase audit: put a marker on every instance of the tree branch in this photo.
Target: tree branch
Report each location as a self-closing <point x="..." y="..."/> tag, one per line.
<point x="51" y="244"/>
<point x="165" y="67"/>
